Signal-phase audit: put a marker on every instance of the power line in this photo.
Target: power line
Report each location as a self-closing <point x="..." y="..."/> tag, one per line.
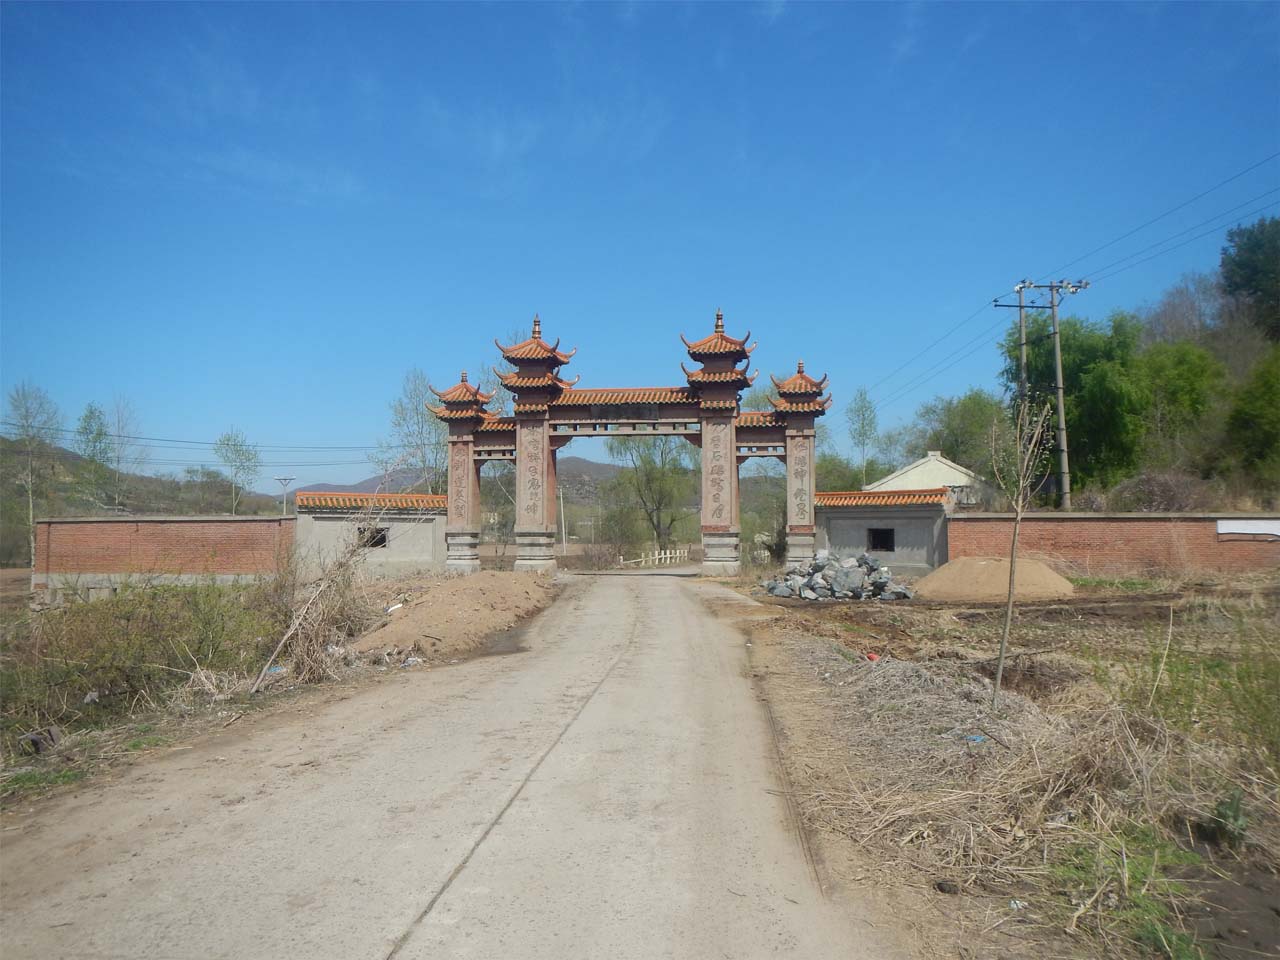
<point x="982" y="340"/>
<point x="1157" y="219"/>
<point x="956" y="329"/>
<point x="1199" y="236"/>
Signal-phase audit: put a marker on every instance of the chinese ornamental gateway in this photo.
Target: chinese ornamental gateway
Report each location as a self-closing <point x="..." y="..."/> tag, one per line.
<point x="549" y="411"/>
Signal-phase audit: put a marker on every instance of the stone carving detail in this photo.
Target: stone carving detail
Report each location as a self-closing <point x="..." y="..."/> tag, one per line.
<point x="798" y="463"/>
<point x="534" y="469"/>
<point x="458" y="467"/>
<point x="716" y="438"/>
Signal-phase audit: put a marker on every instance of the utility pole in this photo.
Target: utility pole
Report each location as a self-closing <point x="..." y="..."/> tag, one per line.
<point x="284" y="496"/>
<point x="1056" y="288"/>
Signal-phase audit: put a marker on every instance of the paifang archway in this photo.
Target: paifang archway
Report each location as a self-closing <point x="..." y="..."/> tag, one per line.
<point x="550" y="411"/>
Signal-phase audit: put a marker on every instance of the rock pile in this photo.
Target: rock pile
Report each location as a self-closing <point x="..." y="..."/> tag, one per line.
<point x="831" y="577"/>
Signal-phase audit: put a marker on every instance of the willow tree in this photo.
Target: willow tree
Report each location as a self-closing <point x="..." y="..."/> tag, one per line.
<point x="660" y="473"/>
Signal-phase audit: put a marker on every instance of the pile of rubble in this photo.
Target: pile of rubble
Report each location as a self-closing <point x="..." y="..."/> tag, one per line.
<point x="831" y="577"/>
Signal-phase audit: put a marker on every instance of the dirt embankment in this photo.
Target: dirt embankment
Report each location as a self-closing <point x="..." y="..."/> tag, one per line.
<point x="441" y="618"/>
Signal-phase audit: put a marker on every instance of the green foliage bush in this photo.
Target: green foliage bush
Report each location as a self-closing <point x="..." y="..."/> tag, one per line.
<point x="127" y="650"/>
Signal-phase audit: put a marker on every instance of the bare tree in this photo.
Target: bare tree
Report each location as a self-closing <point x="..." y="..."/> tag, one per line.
<point x="1020" y="464"/>
<point x="127" y="452"/>
<point x="241" y="460"/>
<point x="419" y="440"/>
<point x="34" y="422"/>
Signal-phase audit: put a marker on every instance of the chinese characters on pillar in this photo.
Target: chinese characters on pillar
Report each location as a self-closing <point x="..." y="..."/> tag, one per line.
<point x="798" y="464"/>
<point x="716" y="490"/>
<point x="534" y="469"/>
<point x="460" y="456"/>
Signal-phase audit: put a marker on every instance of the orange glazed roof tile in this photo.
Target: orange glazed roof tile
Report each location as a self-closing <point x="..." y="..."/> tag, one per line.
<point x="719" y="343"/>
<point x="492" y="423"/>
<point x="618" y="395"/>
<point x="535" y="348"/>
<point x="883" y="498"/>
<point x="462" y="392"/>
<point x="805" y="406"/>
<point x="760" y="418"/>
<point x="513" y="381"/>
<point x="721" y="376"/>
<point x="800" y="383"/>
<point x="320" y="500"/>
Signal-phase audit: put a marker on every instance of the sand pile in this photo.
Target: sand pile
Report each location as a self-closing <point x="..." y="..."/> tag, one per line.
<point x="983" y="579"/>
<point x="441" y="616"/>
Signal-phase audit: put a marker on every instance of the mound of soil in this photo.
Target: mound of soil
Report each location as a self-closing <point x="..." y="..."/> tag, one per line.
<point x="985" y="579"/>
<point x="451" y="616"/>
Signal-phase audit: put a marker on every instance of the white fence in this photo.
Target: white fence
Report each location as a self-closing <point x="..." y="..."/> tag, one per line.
<point x="658" y="558"/>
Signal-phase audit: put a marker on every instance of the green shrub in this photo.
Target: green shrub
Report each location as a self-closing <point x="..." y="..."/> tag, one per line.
<point x="85" y="664"/>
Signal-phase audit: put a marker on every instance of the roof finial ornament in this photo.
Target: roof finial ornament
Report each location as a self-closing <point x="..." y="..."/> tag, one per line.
<point x="799" y="366"/>
<point x="537" y="327"/>
<point x="719" y="321"/>
<point x="464" y="376"/>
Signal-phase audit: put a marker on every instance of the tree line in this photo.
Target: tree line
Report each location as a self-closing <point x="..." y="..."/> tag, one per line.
<point x="98" y="467"/>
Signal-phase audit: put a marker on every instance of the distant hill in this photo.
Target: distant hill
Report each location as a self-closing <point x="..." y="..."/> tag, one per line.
<point x="578" y="477"/>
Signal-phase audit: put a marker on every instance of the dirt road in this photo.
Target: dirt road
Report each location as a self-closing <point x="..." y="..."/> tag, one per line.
<point x="611" y="791"/>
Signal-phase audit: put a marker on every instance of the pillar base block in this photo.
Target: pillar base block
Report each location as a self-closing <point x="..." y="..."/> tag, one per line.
<point x="462" y="551"/>
<point x="535" y="550"/>
<point x="800" y="548"/>
<point x="720" y="557"/>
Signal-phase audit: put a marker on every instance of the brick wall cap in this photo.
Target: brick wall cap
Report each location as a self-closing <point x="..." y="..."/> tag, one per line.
<point x="159" y="518"/>
<point x="1053" y="515"/>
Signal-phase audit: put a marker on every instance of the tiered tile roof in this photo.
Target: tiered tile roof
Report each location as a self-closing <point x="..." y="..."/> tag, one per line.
<point x="513" y="381"/>
<point x="535" y="348"/>
<point x="308" y="500"/>
<point x="883" y="498"/>
<point x="462" y="401"/>
<point x="604" y="396"/>
<point x="799" y="384"/>
<point x="800" y="393"/>
<point x="719" y="344"/>
<point x="760" y="418"/>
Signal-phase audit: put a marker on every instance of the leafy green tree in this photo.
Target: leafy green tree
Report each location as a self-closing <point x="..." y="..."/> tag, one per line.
<point x="241" y="460"/>
<point x="1183" y="383"/>
<point x="1104" y="398"/>
<point x="1251" y="271"/>
<point x="863" y="426"/>
<point x="93" y="442"/>
<point x="660" y="473"/>
<point x="834" y="472"/>
<point x="1253" y="426"/>
<point x="958" y="426"/>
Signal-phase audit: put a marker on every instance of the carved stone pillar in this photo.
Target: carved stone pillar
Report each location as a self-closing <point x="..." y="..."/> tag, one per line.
<point x="801" y="487"/>
<point x="462" y="526"/>
<point x="535" y="490"/>
<point x="720" y="535"/>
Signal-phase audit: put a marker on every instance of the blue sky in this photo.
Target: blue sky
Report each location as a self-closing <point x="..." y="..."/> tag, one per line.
<point x="262" y="216"/>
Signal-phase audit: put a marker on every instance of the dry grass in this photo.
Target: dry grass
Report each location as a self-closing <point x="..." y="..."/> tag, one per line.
<point x="1071" y="797"/>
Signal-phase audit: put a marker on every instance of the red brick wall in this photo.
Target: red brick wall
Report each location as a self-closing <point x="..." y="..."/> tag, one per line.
<point x="207" y="545"/>
<point x="1111" y="544"/>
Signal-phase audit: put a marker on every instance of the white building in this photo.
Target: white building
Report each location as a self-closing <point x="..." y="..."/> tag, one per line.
<point x="933" y="471"/>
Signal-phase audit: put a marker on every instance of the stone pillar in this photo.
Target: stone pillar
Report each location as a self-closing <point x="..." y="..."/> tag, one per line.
<point x="801" y="487"/>
<point x="462" y="526"/>
<point x="535" y="488"/>
<point x="720" y="534"/>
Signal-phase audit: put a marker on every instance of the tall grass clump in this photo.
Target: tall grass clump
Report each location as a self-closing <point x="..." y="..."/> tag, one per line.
<point x="86" y="664"/>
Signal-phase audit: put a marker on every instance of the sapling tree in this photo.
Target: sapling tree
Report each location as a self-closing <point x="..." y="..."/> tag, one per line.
<point x="1020" y="465"/>
<point x="241" y="460"/>
<point x="33" y="421"/>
